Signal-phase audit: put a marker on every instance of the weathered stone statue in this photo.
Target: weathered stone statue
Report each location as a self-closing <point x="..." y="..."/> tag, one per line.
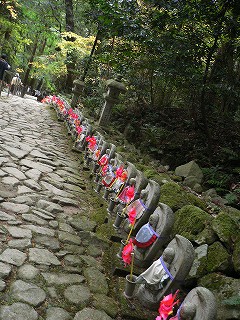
<point x="92" y="150"/>
<point x="199" y="304"/>
<point x="106" y="174"/>
<point x="106" y="150"/>
<point x="151" y="238"/>
<point x="141" y="183"/>
<point x="127" y="194"/>
<point x="149" y="202"/>
<point x="86" y="130"/>
<point x="128" y="171"/>
<point x="102" y="151"/>
<point x="167" y="273"/>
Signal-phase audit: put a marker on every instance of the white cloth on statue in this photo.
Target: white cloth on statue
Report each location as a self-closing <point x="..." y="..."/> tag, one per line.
<point x="155" y="274"/>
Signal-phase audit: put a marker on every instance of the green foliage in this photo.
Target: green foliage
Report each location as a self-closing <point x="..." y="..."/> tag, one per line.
<point x="215" y="177"/>
<point x="233" y="301"/>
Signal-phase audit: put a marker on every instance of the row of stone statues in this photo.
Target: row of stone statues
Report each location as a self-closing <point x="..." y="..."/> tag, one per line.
<point x="143" y="222"/>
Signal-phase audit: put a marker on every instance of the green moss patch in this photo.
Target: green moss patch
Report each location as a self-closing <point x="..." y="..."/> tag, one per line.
<point x="190" y="221"/>
<point x="176" y="197"/>
<point x="218" y="258"/>
<point x="226" y="228"/>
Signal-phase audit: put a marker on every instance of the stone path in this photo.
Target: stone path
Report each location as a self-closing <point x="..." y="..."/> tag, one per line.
<point x="50" y="260"/>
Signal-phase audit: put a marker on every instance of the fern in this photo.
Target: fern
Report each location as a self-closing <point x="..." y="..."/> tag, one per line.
<point x="233" y="301"/>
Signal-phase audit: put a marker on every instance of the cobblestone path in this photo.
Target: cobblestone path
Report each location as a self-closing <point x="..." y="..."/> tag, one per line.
<point x="50" y="261"/>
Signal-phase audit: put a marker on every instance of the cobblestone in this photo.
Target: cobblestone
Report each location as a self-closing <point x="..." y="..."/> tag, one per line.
<point x="48" y="250"/>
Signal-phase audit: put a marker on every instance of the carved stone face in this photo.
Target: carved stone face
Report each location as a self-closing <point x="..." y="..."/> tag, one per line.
<point x="168" y="255"/>
<point x="143" y="194"/>
<point x="132" y="181"/>
<point x="153" y="220"/>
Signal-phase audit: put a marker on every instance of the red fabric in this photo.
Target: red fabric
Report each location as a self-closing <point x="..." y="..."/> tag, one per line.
<point x="127" y="195"/>
<point x="124" y="176"/>
<point x="119" y="172"/>
<point x="104" y="170"/>
<point x="132" y="215"/>
<point x="145" y="244"/>
<point x="79" y="130"/>
<point x="91" y="142"/>
<point x="166" y="305"/>
<point x="126" y="253"/>
<point x="108" y="184"/>
<point x="103" y="160"/>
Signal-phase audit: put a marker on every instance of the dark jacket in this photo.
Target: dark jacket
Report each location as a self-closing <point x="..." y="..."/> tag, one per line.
<point x="3" y="66"/>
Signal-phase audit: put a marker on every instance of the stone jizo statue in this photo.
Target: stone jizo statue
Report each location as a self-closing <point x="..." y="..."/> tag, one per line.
<point x="152" y="199"/>
<point x="151" y="238"/>
<point x="199" y="304"/>
<point x="167" y="273"/>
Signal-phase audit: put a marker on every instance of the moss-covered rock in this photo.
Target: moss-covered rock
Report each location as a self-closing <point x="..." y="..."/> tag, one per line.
<point x="226" y="228"/>
<point x="234" y="214"/>
<point x="198" y="268"/>
<point x="96" y="280"/>
<point x="105" y="303"/>
<point x="225" y="290"/>
<point x="207" y="236"/>
<point x="176" y="197"/>
<point x="236" y="255"/>
<point x="190" y="169"/>
<point x="190" y="221"/>
<point x="99" y="216"/>
<point x="218" y="258"/>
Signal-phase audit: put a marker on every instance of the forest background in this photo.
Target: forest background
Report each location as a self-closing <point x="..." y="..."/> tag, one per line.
<point x="179" y="59"/>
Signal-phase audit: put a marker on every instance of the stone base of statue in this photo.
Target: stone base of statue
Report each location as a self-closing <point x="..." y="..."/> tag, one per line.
<point x="119" y="254"/>
<point x="98" y="188"/>
<point x="130" y="286"/>
<point x="111" y="205"/>
<point x="118" y="220"/>
<point x="106" y="194"/>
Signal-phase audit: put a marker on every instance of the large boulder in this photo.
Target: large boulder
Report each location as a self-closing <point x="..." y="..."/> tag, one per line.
<point x="236" y="255"/>
<point x="218" y="259"/>
<point x="198" y="269"/>
<point x="173" y="195"/>
<point x="190" y="169"/>
<point x="226" y="291"/>
<point x="190" y="221"/>
<point x="225" y="228"/>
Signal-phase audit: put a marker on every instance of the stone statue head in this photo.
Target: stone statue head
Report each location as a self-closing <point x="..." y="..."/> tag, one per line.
<point x="188" y="311"/>
<point x="153" y="220"/>
<point x="112" y="162"/>
<point x="168" y="255"/>
<point x="144" y="194"/>
<point x="132" y="181"/>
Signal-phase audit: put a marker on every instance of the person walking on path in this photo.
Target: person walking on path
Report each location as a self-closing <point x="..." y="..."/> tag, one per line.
<point x="3" y="66"/>
<point x="16" y="84"/>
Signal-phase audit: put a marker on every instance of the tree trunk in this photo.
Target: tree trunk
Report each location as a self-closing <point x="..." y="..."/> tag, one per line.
<point x="41" y="51"/>
<point x="25" y="80"/>
<point x="212" y="50"/>
<point x="70" y="61"/>
<point x="90" y="57"/>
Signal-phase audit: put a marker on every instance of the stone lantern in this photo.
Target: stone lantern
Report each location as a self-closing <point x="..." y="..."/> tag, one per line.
<point x="115" y="87"/>
<point x="77" y="90"/>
